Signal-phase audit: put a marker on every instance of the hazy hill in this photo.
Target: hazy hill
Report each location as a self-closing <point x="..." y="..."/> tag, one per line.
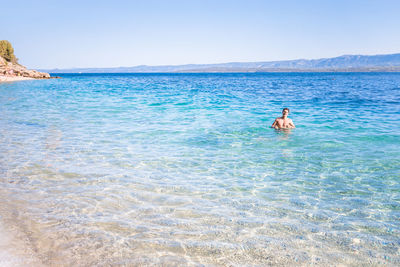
<point x="389" y="62"/>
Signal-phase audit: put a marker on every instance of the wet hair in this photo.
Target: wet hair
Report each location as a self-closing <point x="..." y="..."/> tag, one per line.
<point x="285" y="109"/>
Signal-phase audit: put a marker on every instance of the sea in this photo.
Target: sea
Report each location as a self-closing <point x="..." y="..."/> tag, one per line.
<point x="184" y="170"/>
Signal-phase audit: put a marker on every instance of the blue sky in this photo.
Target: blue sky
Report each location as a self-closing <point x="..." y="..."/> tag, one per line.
<point x="64" y="34"/>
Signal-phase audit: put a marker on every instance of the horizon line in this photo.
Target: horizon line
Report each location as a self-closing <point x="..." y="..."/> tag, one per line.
<point x="220" y="63"/>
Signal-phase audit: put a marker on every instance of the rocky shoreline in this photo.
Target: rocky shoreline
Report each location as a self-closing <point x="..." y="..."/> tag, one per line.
<point x="15" y="72"/>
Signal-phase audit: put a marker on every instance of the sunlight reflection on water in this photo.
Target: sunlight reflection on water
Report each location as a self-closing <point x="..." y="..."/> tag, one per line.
<point x="184" y="170"/>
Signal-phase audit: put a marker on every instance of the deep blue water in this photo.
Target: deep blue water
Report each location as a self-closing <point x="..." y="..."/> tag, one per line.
<point x="184" y="169"/>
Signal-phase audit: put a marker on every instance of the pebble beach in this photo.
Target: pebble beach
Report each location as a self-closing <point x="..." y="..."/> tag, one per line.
<point x="13" y="78"/>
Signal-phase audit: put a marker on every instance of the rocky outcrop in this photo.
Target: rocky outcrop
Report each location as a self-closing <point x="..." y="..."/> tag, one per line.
<point x="17" y="70"/>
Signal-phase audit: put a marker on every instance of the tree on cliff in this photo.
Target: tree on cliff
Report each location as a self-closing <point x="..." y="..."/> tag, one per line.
<point x="7" y="51"/>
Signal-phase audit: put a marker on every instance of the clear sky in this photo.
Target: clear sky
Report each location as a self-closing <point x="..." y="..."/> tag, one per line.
<point x="113" y="33"/>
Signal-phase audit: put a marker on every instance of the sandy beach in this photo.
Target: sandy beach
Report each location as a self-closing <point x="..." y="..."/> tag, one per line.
<point x="15" y="248"/>
<point x="13" y="78"/>
<point x="13" y="252"/>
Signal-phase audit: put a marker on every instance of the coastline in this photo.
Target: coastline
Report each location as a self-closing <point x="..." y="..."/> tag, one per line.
<point x="13" y="78"/>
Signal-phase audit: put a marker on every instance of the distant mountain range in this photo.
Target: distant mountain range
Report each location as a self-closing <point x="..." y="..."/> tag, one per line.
<point x="346" y="63"/>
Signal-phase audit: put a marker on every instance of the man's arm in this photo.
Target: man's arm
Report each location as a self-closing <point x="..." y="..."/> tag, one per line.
<point x="291" y="124"/>
<point x="275" y="123"/>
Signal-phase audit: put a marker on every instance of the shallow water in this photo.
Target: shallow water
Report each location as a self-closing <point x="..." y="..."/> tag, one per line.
<point x="183" y="169"/>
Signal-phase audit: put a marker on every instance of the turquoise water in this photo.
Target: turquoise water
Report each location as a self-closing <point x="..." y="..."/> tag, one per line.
<point x="183" y="169"/>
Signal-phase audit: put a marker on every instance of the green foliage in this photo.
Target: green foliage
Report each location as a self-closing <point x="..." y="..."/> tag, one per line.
<point x="7" y="51"/>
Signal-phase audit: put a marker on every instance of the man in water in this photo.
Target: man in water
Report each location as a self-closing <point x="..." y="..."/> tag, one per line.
<point x="283" y="122"/>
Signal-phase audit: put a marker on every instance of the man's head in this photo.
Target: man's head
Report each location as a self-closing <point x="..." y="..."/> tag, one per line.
<point x="285" y="112"/>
